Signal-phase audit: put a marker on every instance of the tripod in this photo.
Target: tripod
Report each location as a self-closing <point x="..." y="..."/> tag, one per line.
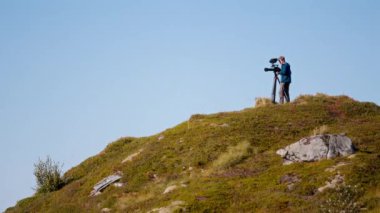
<point x="275" y="80"/>
<point x="275" y="69"/>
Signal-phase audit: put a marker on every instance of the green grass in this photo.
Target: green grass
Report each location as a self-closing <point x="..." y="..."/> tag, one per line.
<point x="228" y="163"/>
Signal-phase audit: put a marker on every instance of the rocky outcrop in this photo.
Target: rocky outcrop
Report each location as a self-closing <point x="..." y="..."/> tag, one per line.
<point x="337" y="180"/>
<point x="316" y="148"/>
<point x="290" y="180"/>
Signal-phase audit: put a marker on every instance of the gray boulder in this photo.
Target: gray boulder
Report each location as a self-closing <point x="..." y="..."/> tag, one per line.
<point x="316" y="148"/>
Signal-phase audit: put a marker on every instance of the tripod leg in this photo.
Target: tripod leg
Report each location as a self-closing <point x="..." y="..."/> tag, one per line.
<point x="274" y="89"/>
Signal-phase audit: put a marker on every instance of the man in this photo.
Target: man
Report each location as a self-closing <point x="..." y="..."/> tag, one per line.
<point x="285" y="79"/>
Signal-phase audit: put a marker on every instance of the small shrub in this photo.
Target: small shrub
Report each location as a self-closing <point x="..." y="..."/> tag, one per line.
<point x="321" y="130"/>
<point x="48" y="175"/>
<point x="262" y="102"/>
<point x="344" y="199"/>
<point x="234" y="155"/>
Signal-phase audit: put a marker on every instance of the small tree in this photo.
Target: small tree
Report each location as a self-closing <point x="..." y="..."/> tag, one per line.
<point x="48" y="175"/>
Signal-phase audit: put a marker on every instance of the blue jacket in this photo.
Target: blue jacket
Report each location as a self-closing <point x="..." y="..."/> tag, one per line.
<point x="286" y="73"/>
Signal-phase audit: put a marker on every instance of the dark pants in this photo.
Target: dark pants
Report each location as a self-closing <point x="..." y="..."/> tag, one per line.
<point x="284" y="92"/>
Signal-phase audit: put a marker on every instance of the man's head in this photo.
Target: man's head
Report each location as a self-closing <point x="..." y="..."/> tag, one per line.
<point x="281" y="59"/>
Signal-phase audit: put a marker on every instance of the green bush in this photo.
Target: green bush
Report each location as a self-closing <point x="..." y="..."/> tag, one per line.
<point x="48" y="175"/>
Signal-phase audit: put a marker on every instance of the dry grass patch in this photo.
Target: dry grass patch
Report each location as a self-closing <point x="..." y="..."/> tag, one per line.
<point x="233" y="156"/>
<point x="133" y="197"/>
<point x="320" y="130"/>
<point x="262" y="102"/>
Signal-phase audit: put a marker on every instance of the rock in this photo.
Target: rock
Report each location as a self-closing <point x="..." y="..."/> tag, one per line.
<point x="118" y="185"/>
<point x="338" y="179"/>
<point x="96" y="193"/>
<point x="152" y="176"/>
<point x="178" y="202"/>
<point x="219" y="125"/>
<point x="287" y="162"/>
<point x="282" y="152"/>
<point x="161" y="137"/>
<point x="290" y="180"/>
<point x="200" y="198"/>
<point x="225" y="125"/>
<point x="290" y="186"/>
<point x="130" y="157"/>
<point x="173" y="207"/>
<point x="170" y="188"/>
<point x="316" y="148"/>
<point x="173" y="187"/>
<point x="104" y="210"/>
<point x="333" y="168"/>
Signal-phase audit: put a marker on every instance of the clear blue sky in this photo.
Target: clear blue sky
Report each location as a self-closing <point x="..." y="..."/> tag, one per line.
<point x="76" y="75"/>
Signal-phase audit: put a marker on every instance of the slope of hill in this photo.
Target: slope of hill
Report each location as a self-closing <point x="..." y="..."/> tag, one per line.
<point x="226" y="162"/>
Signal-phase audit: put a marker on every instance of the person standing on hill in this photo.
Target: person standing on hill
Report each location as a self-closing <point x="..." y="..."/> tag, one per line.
<point x="285" y="79"/>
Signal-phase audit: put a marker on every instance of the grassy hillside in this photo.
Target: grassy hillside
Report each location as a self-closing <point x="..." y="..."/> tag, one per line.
<point x="226" y="162"/>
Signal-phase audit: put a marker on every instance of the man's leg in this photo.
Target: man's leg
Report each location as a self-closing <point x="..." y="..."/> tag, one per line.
<point x="282" y="88"/>
<point x="286" y="92"/>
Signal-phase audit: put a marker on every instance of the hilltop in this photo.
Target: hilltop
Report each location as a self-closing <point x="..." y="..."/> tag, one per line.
<point x="227" y="162"/>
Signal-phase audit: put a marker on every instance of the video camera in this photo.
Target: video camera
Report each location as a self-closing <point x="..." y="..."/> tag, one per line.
<point x="274" y="67"/>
